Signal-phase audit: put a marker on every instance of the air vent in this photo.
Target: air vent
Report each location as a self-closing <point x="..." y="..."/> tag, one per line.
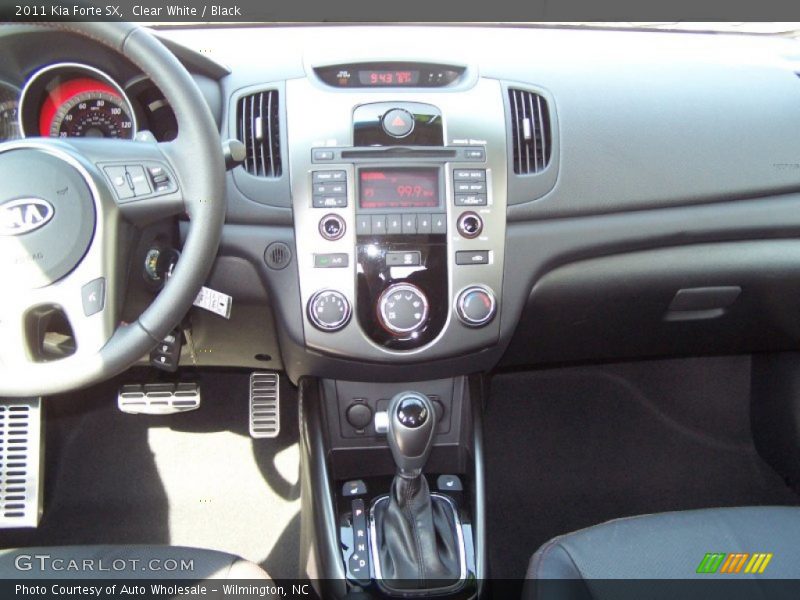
<point x="530" y="131"/>
<point x="258" y="128"/>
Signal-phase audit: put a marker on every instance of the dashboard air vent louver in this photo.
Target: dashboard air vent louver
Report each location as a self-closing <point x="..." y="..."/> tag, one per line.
<point x="258" y="128"/>
<point x="530" y="131"/>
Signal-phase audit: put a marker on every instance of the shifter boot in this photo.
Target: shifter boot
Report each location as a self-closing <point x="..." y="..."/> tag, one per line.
<point x="417" y="543"/>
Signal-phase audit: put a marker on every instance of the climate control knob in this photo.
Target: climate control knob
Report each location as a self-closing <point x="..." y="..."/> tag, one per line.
<point x="329" y="310"/>
<point x="402" y="309"/>
<point x="476" y="306"/>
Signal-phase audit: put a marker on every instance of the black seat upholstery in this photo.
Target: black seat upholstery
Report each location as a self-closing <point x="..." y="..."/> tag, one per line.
<point x="125" y="562"/>
<point x="672" y="546"/>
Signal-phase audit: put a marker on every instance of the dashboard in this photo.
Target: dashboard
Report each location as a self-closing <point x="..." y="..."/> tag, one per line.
<point x="449" y="206"/>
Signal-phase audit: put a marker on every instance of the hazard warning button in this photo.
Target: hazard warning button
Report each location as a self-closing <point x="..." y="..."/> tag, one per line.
<point x="398" y="122"/>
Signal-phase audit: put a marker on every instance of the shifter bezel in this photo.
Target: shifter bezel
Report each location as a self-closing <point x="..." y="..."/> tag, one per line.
<point x="405" y="592"/>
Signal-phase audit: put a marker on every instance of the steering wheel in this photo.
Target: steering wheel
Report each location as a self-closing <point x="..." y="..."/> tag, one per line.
<point x="64" y="213"/>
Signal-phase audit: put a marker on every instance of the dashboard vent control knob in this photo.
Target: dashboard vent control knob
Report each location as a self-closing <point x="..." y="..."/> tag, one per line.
<point x="402" y="309"/>
<point x="329" y="310"/>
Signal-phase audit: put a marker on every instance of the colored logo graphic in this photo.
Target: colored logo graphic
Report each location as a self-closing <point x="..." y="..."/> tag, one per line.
<point x="719" y="562"/>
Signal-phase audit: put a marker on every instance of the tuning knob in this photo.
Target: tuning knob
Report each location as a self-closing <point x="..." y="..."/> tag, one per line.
<point x="476" y="306"/>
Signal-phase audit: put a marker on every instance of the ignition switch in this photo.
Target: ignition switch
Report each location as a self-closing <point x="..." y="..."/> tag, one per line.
<point x="159" y="264"/>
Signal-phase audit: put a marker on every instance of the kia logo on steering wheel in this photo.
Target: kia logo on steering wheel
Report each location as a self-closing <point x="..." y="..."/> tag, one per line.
<point x="24" y="215"/>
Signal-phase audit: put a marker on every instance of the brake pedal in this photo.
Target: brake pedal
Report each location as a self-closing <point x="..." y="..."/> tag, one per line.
<point x="21" y="458"/>
<point x="265" y="412"/>
<point x="158" y="398"/>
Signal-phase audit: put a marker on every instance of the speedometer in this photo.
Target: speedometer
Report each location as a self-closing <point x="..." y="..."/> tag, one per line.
<point x="75" y="100"/>
<point x="94" y="113"/>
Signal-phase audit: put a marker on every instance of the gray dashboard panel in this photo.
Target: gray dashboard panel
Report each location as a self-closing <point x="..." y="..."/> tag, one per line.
<point x="644" y="119"/>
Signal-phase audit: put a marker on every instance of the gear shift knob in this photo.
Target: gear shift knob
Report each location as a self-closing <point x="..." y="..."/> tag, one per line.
<point x="412" y="421"/>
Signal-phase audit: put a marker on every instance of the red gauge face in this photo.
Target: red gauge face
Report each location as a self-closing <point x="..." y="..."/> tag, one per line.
<point x="86" y="107"/>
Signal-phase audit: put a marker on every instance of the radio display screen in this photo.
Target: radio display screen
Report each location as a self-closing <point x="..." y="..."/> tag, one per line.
<point x="398" y="188"/>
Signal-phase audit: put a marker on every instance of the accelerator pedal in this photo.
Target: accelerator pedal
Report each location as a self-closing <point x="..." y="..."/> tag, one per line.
<point x="158" y="398"/>
<point x="21" y="458"/>
<point x="265" y="412"/>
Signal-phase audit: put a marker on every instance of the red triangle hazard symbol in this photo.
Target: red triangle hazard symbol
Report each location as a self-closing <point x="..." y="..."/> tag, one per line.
<point x="399" y="122"/>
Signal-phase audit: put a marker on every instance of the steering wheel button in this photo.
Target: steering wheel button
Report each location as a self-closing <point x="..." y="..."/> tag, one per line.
<point x="119" y="181"/>
<point x="93" y="295"/>
<point x="141" y="184"/>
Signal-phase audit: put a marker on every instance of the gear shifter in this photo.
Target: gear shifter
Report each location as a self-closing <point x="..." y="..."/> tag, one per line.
<point x="412" y="422"/>
<point x="417" y="542"/>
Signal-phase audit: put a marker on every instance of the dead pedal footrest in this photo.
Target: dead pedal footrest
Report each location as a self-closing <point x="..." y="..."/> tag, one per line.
<point x="158" y="398"/>
<point x="265" y="416"/>
<point x="21" y="457"/>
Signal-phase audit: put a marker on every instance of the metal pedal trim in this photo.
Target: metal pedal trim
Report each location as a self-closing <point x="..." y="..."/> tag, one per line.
<point x="158" y="398"/>
<point x="265" y="412"/>
<point x="21" y="462"/>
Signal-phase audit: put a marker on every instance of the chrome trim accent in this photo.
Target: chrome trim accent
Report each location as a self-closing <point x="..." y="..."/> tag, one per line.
<point x="375" y="556"/>
<point x="74" y="65"/>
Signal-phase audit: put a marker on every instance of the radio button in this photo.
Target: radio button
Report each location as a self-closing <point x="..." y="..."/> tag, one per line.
<point x="470" y="200"/>
<point x="378" y="224"/>
<point x="323" y="176"/>
<point x="409" y="224"/>
<point x="439" y="224"/>
<point x="329" y="201"/>
<point x="423" y="223"/>
<point x="469" y="174"/>
<point x="475" y="154"/>
<point x="323" y="155"/>
<point x="363" y="225"/>
<point x="325" y="189"/>
<point x="394" y="224"/>
<point x="470" y="187"/>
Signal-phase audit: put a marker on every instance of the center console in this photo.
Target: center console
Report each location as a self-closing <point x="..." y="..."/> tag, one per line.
<point x="399" y="208"/>
<point x="398" y="181"/>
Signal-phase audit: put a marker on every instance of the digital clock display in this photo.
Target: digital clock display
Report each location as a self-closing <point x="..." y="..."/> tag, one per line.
<point x="398" y="188"/>
<point x="377" y="78"/>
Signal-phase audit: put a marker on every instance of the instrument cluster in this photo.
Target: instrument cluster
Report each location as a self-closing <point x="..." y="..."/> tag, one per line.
<point x="78" y="100"/>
